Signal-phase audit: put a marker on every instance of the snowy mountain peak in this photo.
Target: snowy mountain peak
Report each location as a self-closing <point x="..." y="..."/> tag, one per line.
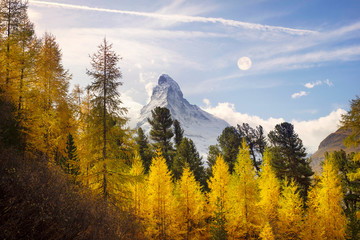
<point x="202" y="127"/>
<point x="166" y="88"/>
<point x="166" y="80"/>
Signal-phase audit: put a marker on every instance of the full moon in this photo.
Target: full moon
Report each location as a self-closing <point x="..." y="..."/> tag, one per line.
<point x="244" y="63"/>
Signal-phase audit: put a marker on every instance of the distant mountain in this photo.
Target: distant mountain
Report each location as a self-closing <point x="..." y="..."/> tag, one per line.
<point x="200" y="126"/>
<point x="333" y="142"/>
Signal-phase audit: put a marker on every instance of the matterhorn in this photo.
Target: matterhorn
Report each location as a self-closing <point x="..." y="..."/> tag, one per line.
<point x="200" y="126"/>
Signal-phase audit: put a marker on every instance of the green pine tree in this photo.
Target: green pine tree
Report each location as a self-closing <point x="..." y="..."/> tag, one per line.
<point x="161" y="132"/>
<point x="143" y="147"/>
<point x="187" y="154"/>
<point x="229" y="143"/>
<point x="179" y="133"/>
<point x="69" y="162"/>
<point x="290" y="157"/>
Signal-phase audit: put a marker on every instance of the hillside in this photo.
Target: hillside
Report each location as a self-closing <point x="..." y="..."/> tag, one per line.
<point x="333" y="142"/>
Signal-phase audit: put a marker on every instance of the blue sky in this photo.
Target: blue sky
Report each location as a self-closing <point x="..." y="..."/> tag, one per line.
<point x="305" y="54"/>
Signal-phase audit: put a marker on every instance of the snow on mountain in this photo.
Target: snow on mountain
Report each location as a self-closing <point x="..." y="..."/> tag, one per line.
<point x="200" y="126"/>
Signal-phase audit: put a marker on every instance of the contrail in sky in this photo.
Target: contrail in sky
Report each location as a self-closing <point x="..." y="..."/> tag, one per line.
<point x="182" y="18"/>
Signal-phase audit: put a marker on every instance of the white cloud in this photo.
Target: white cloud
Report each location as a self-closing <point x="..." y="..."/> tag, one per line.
<point x="306" y="60"/>
<point x="314" y="131"/>
<point x="207" y="102"/>
<point x="299" y="94"/>
<point x="227" y="112"/>
<point x="342" y="31"/>
<point x="311" y="132"/>
<point x="329" y="83"/>
<point x="182" y="18"/>
<point x="313" y="84"/>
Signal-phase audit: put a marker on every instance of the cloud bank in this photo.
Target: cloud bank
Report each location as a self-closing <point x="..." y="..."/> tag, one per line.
<point x="311" y="132"/>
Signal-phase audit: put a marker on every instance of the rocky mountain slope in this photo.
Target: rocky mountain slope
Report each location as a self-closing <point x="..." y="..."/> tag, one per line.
<point x="333" y="142"/>
<point x="200" y="126"/>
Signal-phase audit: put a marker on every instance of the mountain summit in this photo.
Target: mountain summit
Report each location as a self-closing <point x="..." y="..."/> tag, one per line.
<point x="200" y="126"/>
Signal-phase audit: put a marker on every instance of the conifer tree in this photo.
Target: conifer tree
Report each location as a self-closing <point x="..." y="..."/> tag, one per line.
<point x="218" y="185"/>
<point x="351" y="189"/>
<point x="229" y="143"/>
<point x="218" y="224"/>
<point x="191" y="206"/>
<point x="70" y="162"/>
<point x="179" y="133"/>
<point x="161" y="218"/>
<point x="107" y="120"/>
<point x="214" y="152"/>
<point x="243" y="220"/>
<point x="161" y="132"/>
<point x="138" y="188"/>
<point x="49" y="122"/>
<point x="290" y="160"/>
<point x="312" y="228"/>
<point x="187" y="154"/>
<point x="18" y="53"/>
<point x="351" y="120"/>
<point x="330" y="213"/>
<point x="255" y="139"/>
<point x="269" y="190"/>
<point x="76" y="101"/>
<point x="28" y="47"/>
<point x="12" y="12"/>
<point x="143" y="148"/>
<point x="290" y="223"/>
<point x="267" y="232"/>
<point x="89" y="147"/>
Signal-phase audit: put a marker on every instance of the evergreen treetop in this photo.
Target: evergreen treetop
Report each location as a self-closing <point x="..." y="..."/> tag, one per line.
<point x="290" y="156"/>
<point x="161" y="131"/>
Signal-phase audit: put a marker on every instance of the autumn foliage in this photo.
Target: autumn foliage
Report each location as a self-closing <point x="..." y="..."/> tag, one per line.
<point x="71" y="168"/>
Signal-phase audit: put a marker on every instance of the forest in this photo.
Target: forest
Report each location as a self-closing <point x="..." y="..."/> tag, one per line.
<point x="71" y="168"/>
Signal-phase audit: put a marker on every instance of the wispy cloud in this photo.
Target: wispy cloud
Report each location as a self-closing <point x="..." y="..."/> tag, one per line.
<point x="329" y="83"/>
<point x="313" y="84"/>
<point x="305" y="60"/>
<point x="182" y="18"/>
<point x="299" y="94"/>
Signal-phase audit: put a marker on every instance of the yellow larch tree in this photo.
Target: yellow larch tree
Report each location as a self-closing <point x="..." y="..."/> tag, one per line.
<point x="85" y="140"/>
<point x="351" y="120"/>
<point x="312" y="228"/>
<point x="161" y="203"/>
<point x="49" y="123"/>
<point x="191" y="206"/>
<point x="105" y="145"/>
<point x="218" y="185"/>
<point x="269" y="186"/>
<point x="137" y="187"/>
<point x="330" y="213"/>
<point x="290" y="213"/>
<point x="243" y="220"/>
<point x="267" y="232"/>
